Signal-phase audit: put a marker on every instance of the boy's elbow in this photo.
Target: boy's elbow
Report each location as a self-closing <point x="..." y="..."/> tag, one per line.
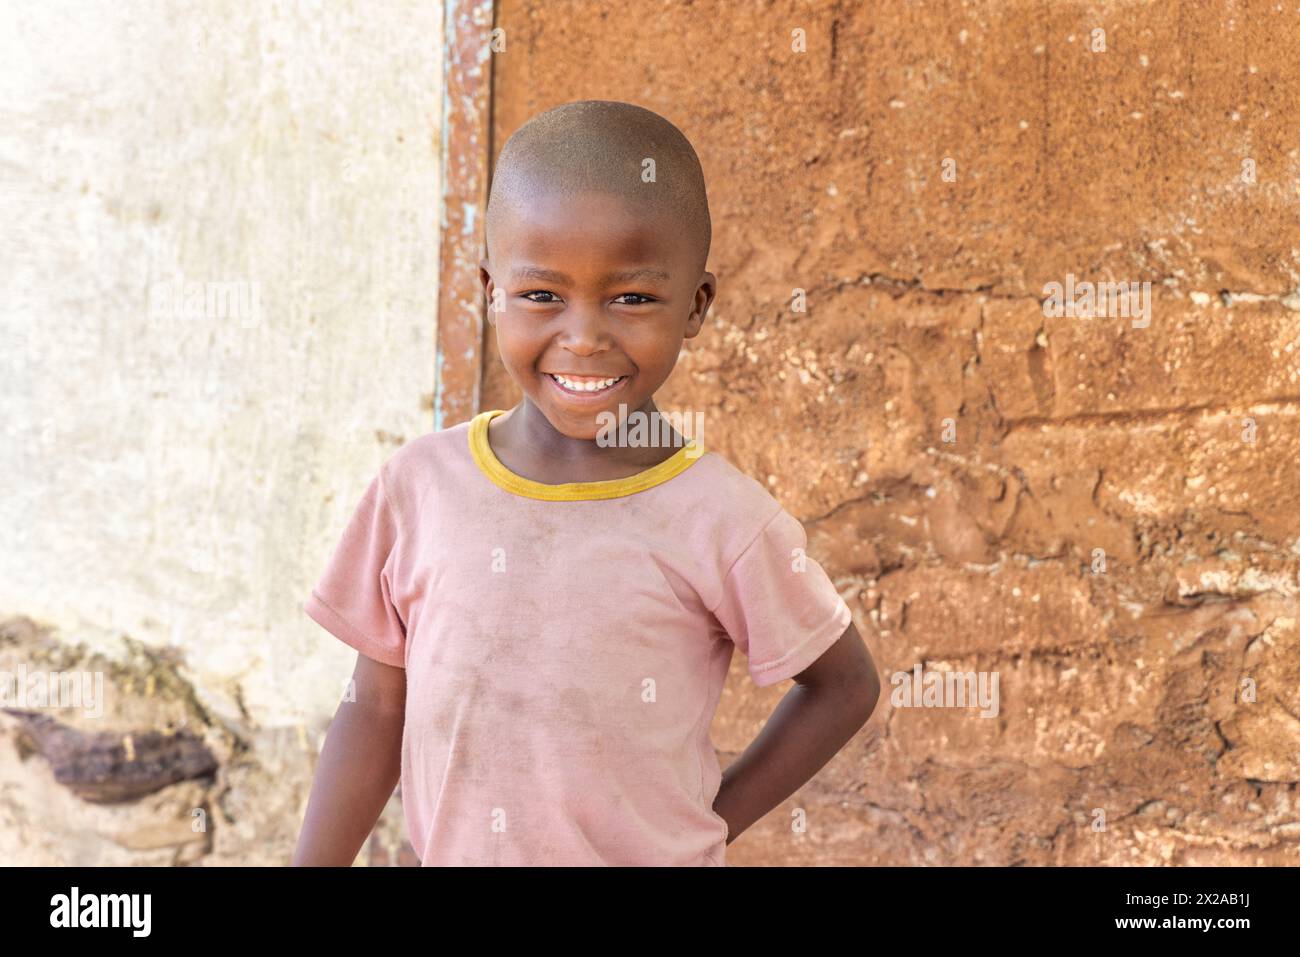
<point x="861" y="677"/>
<point x="869" y="692"/>
<point x="860" y="691"/>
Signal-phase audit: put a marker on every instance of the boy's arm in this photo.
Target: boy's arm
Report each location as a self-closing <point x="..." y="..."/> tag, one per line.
<point x="359" y="767"/>
<point x="832" y="699"/>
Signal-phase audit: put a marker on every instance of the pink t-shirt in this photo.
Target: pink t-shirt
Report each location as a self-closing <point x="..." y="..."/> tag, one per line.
<point x="565" y="646"/>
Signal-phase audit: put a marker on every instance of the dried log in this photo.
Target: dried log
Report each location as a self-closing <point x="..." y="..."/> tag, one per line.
<point x="108" y="767"/>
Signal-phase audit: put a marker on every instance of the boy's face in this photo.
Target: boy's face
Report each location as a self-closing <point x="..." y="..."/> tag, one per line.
<point x="591" y="289"/>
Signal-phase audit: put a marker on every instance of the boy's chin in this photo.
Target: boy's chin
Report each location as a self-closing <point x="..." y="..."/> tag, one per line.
<point x="585" y="424"/>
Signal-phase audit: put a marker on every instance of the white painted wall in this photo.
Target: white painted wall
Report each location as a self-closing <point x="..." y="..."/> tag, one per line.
<point x="183" y="479"/>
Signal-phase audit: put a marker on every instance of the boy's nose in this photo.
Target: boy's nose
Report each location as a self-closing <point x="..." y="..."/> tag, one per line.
<point x="584" y="330"/>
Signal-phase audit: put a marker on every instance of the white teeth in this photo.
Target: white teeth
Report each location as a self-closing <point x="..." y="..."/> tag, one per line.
<point x="593" y="386"/>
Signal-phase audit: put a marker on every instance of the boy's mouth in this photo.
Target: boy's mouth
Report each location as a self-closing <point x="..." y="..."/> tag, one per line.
<point x="585" y="386"/>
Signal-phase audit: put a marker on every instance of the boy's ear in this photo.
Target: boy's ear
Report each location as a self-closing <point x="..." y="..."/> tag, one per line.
<point x="488" y="288"/>
<point x="708" y="288"/>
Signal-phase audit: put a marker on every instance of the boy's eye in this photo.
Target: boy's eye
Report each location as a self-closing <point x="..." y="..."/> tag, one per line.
<point x="554" y="298"/>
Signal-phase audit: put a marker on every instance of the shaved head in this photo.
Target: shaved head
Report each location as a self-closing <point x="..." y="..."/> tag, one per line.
<point x="602" y="146"/>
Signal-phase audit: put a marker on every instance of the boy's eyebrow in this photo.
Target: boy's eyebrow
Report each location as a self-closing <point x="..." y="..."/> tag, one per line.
<point x="552" y="275"/>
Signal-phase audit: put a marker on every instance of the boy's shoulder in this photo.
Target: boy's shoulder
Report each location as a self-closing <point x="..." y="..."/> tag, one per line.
<point x="730" y="486"/>
<point x="735" y="500"/>
<point x="733" y="514"/>
<point x="434" y="459"/>
<point x="429" y="449"/>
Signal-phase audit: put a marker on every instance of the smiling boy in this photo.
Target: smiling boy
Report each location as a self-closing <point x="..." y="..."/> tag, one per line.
<point x="544" y="621"/>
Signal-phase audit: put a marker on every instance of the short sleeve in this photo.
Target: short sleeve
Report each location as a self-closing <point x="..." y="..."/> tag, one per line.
<point x="778" y="605"/>
<point x="353" y="598"/>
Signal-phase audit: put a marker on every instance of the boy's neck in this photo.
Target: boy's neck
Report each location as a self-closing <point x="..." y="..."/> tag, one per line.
<point x="526" y="443"/>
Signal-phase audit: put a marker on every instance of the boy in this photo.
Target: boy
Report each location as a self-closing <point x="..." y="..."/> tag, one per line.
<point x="544" y="618"/>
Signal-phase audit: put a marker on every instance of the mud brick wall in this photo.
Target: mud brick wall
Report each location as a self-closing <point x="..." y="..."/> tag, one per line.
<point x="1104" y="514"/>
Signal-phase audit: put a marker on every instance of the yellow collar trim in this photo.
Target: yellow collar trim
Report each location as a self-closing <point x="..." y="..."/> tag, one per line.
<point x="495" y="470"/>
